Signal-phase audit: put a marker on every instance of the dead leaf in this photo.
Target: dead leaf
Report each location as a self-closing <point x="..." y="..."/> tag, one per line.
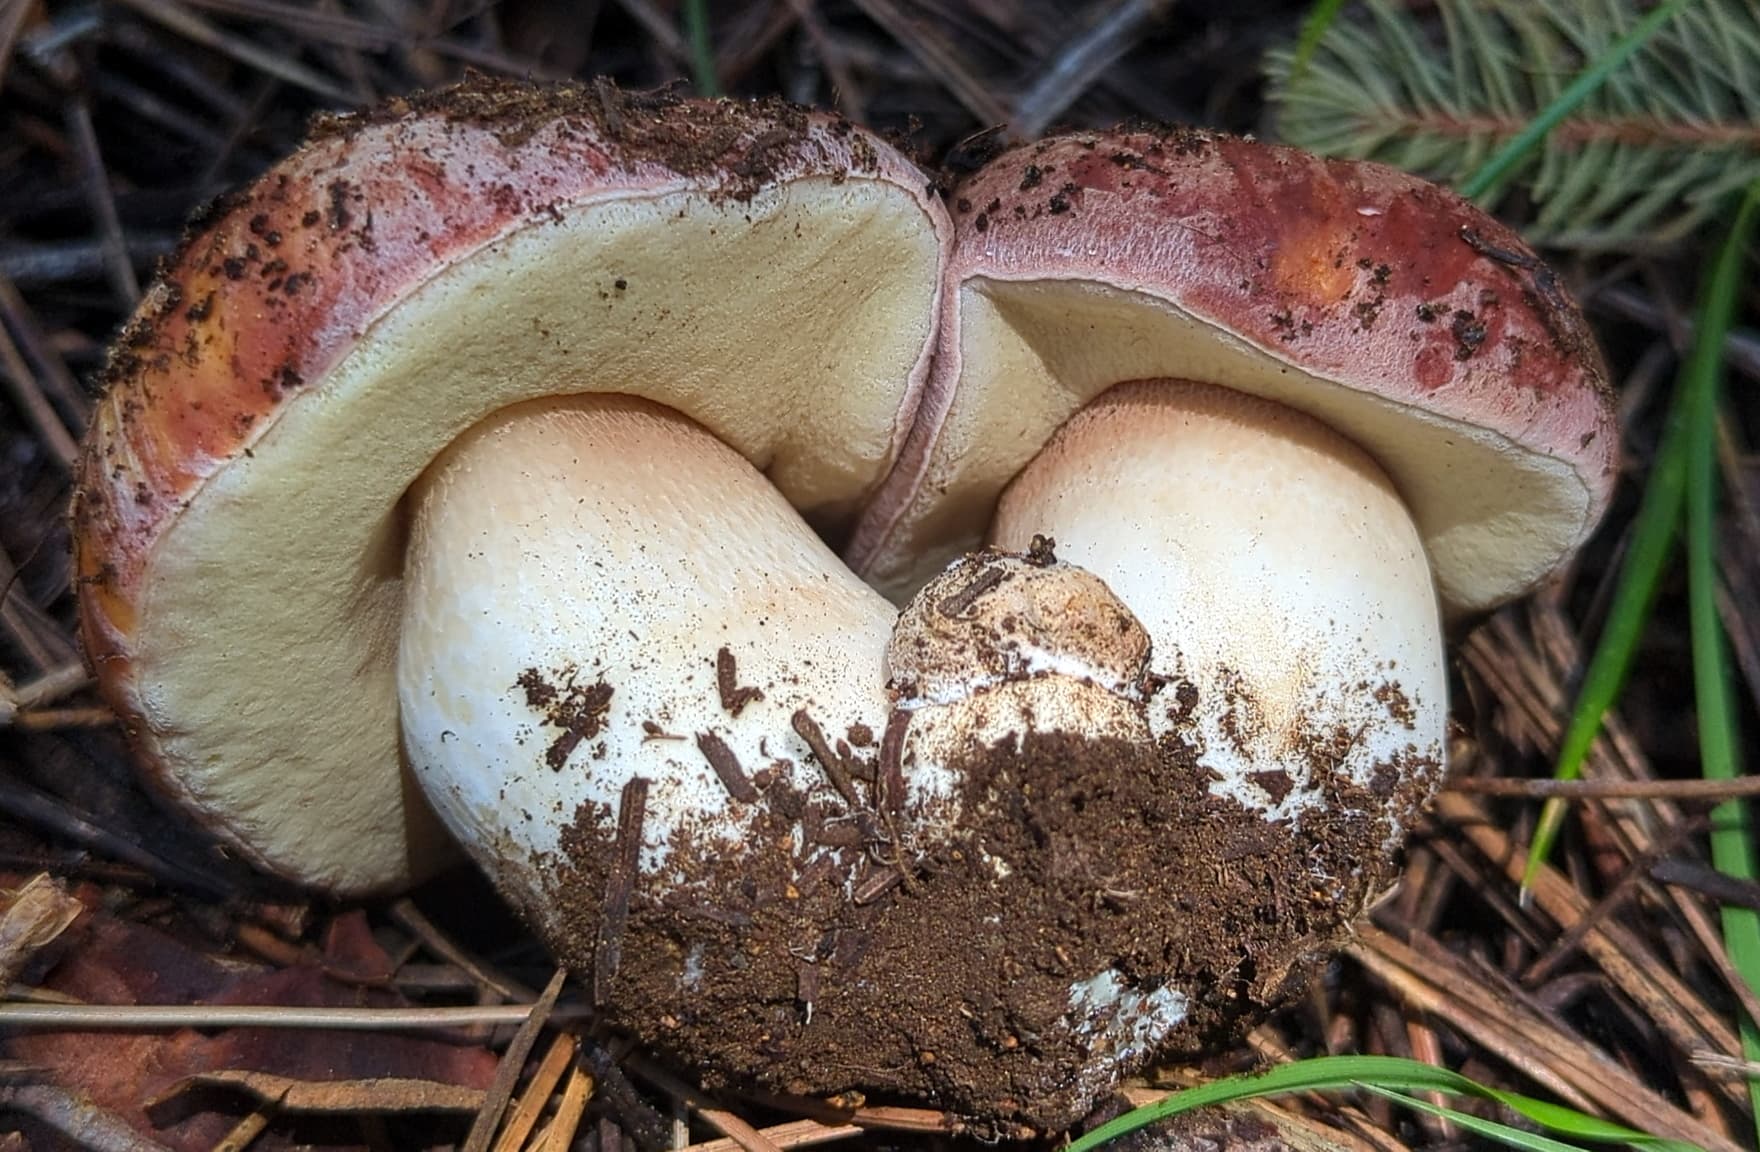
<point x="34" y="916"/>
<point x="110" y="961"/>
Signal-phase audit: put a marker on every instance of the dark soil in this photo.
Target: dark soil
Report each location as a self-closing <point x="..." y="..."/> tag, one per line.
<point x="955" y="984"/>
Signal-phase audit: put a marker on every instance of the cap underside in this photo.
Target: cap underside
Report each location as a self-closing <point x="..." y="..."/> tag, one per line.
<point x="790" y="325"/>
<point x="1493" y="515"/>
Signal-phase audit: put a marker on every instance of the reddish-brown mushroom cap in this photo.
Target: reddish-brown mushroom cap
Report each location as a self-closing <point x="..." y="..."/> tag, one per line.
<point x="1385" y="306"/>
<point x="771" y="272"/>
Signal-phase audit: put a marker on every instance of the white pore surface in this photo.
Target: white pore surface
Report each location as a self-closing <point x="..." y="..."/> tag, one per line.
<point x="1276" y="571"/>
<point x="612" y="540"/>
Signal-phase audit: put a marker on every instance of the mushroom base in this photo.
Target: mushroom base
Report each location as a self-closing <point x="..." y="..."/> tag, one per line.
<point x="1096" y="903"/>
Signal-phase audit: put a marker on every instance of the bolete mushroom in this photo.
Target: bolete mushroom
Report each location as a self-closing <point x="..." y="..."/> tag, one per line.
<point x="323" y="337"/>
<point x="480" y="452"/>
<point x="458" y="467"/>
<point x="1294" y="412"/>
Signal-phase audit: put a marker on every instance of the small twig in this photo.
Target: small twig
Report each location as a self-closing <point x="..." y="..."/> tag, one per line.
<point x="877" y="884"/>
<point x="39" y="265"/>
<point x="159" y="1017"/>
<point x="937" y="56"/>
<point x="102" y="202"/>
<point x="45" y="689"/>
<point x="325" y="27"/>
<point x="27" y="805"/>
<point x="1709" y="791"/>
<point x="727" y="768"/>
<point x="21" y="385"/>
<point x="512" y="1062"/>
<point x="905" y="1119"/>
<point x="1082" y="63"/>
<point x="1616" y="896"/>
<point x="718" y="1118"/>
<point x="52" y="372"/>
<point x="955" y="604"/>
<point x="830" y="762"/>
<point x="889" y="773"/>
<point x="559" y="1136"/>
<point x="76" y="1117"/>
<point x="42" y="640"/>
<point x="1716" y="1064"/>
<point x="51" y="719"/>
<point x="192" y="27"/>
<point x="734" y="698"/>
<point x="242" y="1134"/>
<point x="794" y="1134"/>
<point x="620" y="882"/>
<point x="621" y="1099"/>
<point x="1707" y="882"/>
<point x="405" y="913"/>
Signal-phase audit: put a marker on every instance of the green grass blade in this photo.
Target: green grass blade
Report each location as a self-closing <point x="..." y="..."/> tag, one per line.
<point x="1342" y="1073"/>
<point x="1490" y="1129"/>
<point x="1567" y="101"/>
<point x="696" y="30"/>
<point x="1320" y="18"/>
<point x="1732" y="842"/>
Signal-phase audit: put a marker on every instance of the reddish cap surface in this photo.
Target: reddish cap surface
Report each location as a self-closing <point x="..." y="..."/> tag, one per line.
<point x="1385" y="305"/>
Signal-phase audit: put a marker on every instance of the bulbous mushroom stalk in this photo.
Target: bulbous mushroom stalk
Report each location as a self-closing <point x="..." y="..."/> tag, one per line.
<point x="1297" y="634"/>
<point x="598" y="590"/>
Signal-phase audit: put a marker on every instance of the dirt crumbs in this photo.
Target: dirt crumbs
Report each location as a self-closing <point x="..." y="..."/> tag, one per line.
<point x="1093" y="902"/>
<point x="577" y="710"/>
<point x="745" y="144"/>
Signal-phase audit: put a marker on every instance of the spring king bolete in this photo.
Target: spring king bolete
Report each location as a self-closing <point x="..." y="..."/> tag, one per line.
<point x="1295" y="412"/>
<point x="464" y="465"/>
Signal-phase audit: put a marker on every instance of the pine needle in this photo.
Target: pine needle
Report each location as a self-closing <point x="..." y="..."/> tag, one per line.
<point x="1650" y="115"/>
<point x="1568" y="101"/>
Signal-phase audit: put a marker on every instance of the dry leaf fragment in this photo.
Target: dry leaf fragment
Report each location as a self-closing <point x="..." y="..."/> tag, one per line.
<point x="34" y="915"/>
<point x="383" y="1095"/>
<point x="118" y="962"/>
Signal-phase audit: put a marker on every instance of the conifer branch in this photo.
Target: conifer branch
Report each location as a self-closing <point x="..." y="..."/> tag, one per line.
<point x="1643" y="163"/>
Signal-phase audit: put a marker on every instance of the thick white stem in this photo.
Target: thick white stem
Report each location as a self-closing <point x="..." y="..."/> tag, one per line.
<point x="580" y="575"/>
<point x="1278" y="573"/>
